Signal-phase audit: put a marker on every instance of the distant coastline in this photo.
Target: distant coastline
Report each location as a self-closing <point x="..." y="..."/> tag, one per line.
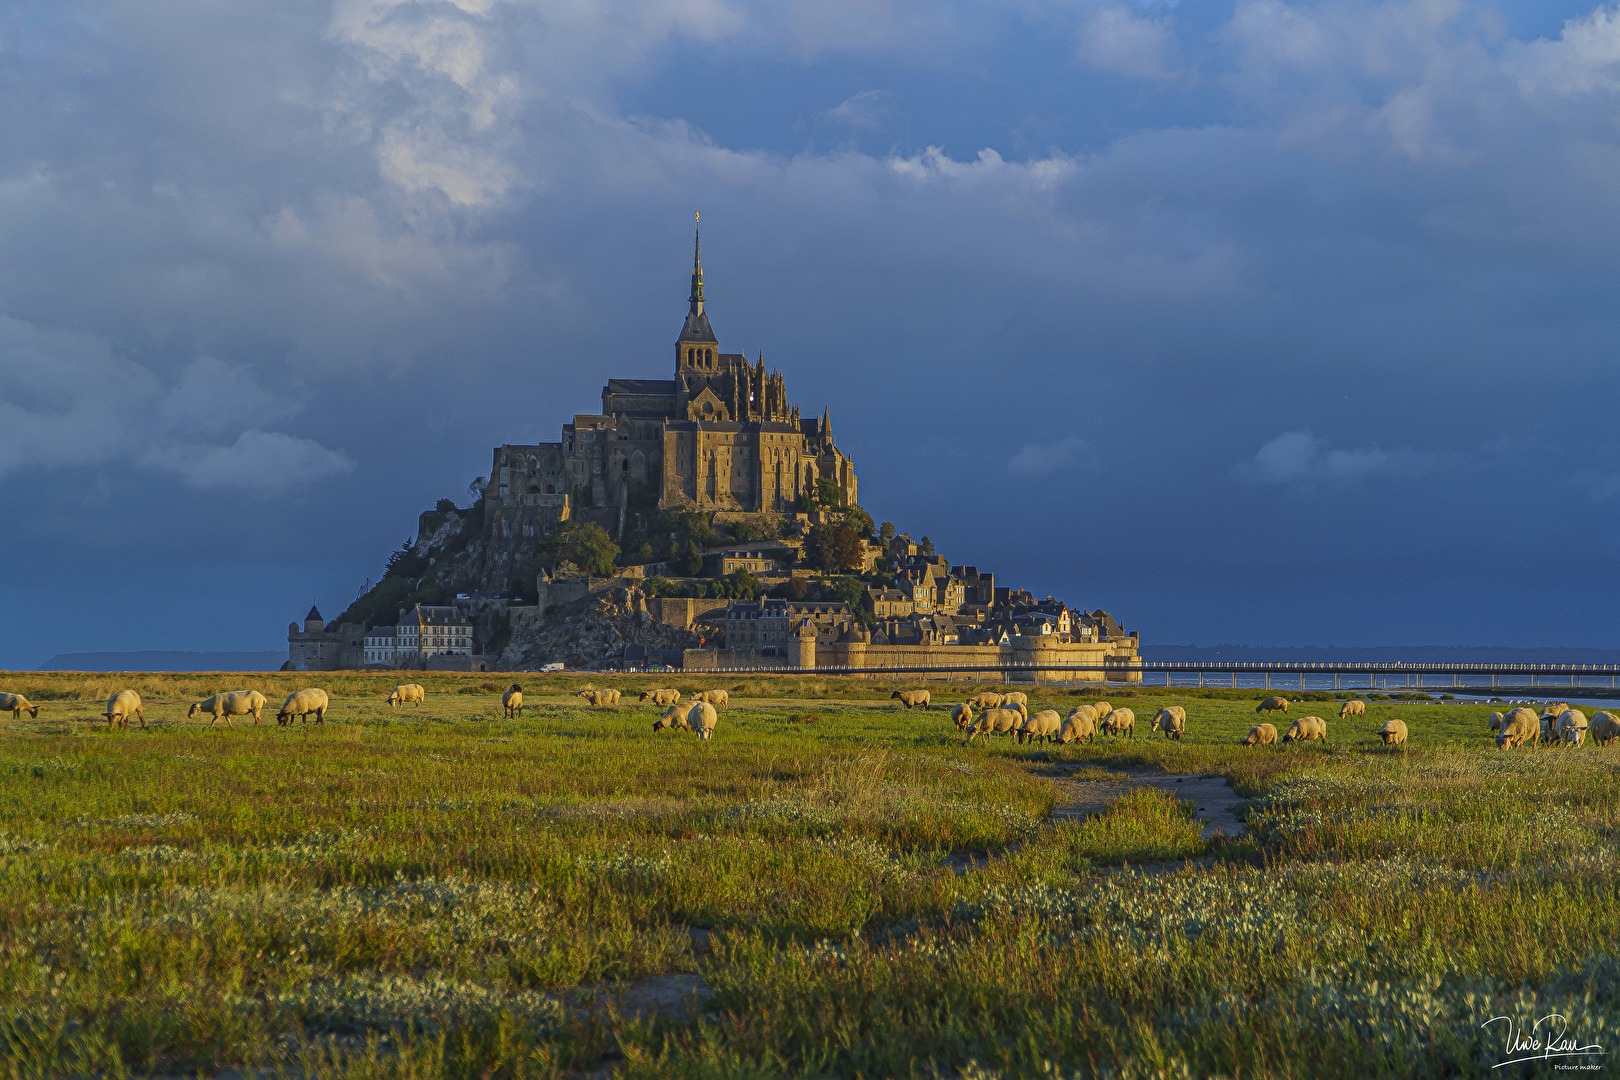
<point x="158" y="660"/>
<point x="1418" y="654"/>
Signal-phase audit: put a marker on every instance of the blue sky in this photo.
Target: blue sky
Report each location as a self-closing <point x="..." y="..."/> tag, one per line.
<point x="1253" y="322"/>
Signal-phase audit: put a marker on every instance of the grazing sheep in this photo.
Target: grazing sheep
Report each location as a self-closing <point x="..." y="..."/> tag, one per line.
<point x="407" y="694"/>
<point x="1605" y="728"/>
<point x="1572" y="725"/>
<point x="962" y="715"/>
<point x="1043" y="725"/>
<point x="1261" y="735"/>
<point x="716" y="698"/>
<point x="121" y="706"/>
<point x="1351" y="708"/>
<point x="512" y="701"/>
<point x="1119" y="721"/>
<point x="1306" y="729"/>
<point x="1172" y="720"/>
<point x="235" y="703"/>
<point x="1520" y="725"/>
<point x="304" y="704"/>
<point x="996" y="721"/>
<point x="1496" y="721"/>
<point x="1080" y="725"/>
<point x="1102" y="709"/>
<point x="600" y="699"/>
<point x="1018" y="707"/>
<point x="661" y="697"/>
<point x="16" y="705"/>
<point x="986" y="699"/>
<point x="1272" y="704"/>
<point x="913" y="698"/>
<point x="1018" y="696"/>
<point x="696" y="716"/>
<point x="1393" y="733"/>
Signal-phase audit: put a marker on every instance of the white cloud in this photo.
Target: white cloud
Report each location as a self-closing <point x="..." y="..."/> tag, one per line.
<point x="1042" y="459"/>
<point x="265" y="462"/>
<point x="866" y="109"/>
<point x="1300" y="457"/>
<point x="1118" y="40"/>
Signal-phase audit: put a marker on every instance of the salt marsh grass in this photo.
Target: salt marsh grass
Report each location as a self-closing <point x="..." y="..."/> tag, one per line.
<point x="435" y="890"/>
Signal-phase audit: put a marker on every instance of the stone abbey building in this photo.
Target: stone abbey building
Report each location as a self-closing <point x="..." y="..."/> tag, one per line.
<point x="721" y="436"/>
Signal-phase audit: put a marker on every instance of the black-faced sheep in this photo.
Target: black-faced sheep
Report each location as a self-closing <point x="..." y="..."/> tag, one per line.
<point x="1519" y="726"/>
<point x="1080" y="725"/>
<point x="698" y="716"/>
<point x="303" y="704"/>
<point x="911" y="699"/>
<point x="1120" y="722"/>
<point x="1043" y="725"/>
<point x="601" y="699"/>
<point x="1351" y="708"/>
<point x="407" y="694"/>
<point x="235" y="703"/>
<point x="1172" y="720"/>
<point x="1272" y="704"/>
<point x="512" y="701"/>
<point x="1393" y="733"/>
<point x="16" y="705"/>
<point x="995" y="721"/>
<point x="1261" y="735"/>
<point x="121" y="706"/>
<point x="1306" y="729"/>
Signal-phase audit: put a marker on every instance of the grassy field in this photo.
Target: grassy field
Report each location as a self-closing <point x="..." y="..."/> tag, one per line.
<point x="439" y="891"/>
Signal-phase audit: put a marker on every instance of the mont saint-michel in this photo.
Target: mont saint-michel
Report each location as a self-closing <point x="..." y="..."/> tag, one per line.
<point x="701" y="521"/>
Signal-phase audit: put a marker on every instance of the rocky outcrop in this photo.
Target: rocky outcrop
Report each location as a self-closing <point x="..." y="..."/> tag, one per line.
<point x="591" y="632"/>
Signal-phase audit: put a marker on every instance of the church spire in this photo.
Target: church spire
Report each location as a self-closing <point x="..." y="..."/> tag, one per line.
<point x="696" y="328"/>
<point x="696" y="298"/>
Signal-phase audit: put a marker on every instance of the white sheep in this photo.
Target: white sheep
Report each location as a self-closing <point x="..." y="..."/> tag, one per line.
<point x="1306" y="729"/>
<point x="1103" y="709"/>
<point x="1172" y="720"/>
<point x="1015" y="695"/>
<point x="698" y="716"/>
<point x="1261" y="735"/>
<point x="962" y="715"/>
<point x="718" y="698"/>
<point x="661" y="697"/>
<point x="1351" y="708"/>
<point x="16" y="705"/>
<point x="121" y="706"/>
<point x="1119" y="722"/>
<point x="407" y="694"/>
<point x="1495" y="721"/>
<point x="986" y="699"/>
<point x="1605" y="728"/>
<point x="995" y="722"/>
<point x="1572" y="725"/>
<point x="512" y="701"/>
<point x="1273" y="703"/>
<point x="1080" y="725"/>
<point x="304" y="704"/>
<point x="1393" y="733"/>
<point x="1519" y="726"/>
<point x="1018" y="707"/>
<point x="911" y="699"/>
<point x="235" y="703"/>
<point x="1043" y="725"/>
<point x="600" y="699"/>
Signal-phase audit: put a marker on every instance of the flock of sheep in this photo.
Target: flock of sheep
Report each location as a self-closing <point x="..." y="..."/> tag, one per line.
<point x="301" y="705"/>
<point x="1557" y="724"/>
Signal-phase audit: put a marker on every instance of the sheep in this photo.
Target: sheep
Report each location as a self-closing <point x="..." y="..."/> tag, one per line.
<point x="1102" y="709"/>
<point x="1351" y="708"/>
<point x="1018" y="696"/>
<point x="1018" y="707"/>
<point x="235" y="703"/>
<point x="1495" y="721"/>
<point x="913" y="698"/>
<point x="407" y="694"/>
<point x="1520" y="725"/>
<point x="713" y="697"/>
<point x="1043" y="725"/>
<point x="1605" y="728"/>
<point x="1272" y="704"/>
<point x="1306" y="729"/>
<point x="1172" y="720"/>
<point x="995" y="721"/>
<point x="986" y="699"/>
<point x="1080" y="725"/>
<point x="662" y="697"/>
<point x="699" y="712"/>
<point x="1572" y="725"/>
<point x="121" y="706"/>
<point x="600" y="699"/>
<point x="962" y="715"/>
<point x="16" y="705"/>
<point x="304" y="704"/>
<point x="1119" y="721"/>
<point x="1261" y="735"/>
<point x="1393" y="732"/>
<point x="512" y="701"/>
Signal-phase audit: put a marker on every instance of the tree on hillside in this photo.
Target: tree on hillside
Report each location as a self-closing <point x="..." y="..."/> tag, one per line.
<point x="584" y="545"/>
<point x="833" y="547"/>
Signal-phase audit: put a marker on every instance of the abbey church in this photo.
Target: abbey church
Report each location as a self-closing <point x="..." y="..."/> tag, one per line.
<point x="720" y="436"/>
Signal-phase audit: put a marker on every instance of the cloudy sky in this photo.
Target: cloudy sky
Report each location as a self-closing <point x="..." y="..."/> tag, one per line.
<point x="1250" y="321"/>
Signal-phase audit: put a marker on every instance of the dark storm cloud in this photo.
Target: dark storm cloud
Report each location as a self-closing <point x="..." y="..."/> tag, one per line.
<point x="1304" y="310"/>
